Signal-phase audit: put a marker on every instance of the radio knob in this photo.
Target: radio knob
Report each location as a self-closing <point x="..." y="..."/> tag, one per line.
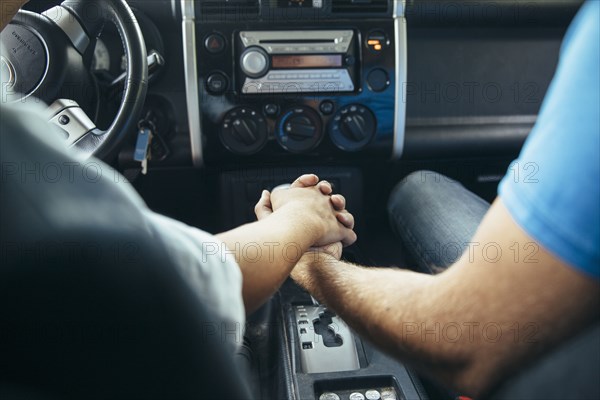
<point x="255" y="62"/>
<point x="353" y="127"/>
<point x="244" y="131"/>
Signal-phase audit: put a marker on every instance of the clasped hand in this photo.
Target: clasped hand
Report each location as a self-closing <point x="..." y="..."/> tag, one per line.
<point x="311" y="203"/>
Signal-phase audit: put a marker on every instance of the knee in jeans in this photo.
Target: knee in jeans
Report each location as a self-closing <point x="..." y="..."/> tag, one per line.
<point x="425" y="179"/>
<point x="413" y="186"/>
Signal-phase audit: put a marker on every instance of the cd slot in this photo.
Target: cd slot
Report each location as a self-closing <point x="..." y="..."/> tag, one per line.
<point x="293" y="42"/>
<point x="296" y="41"/>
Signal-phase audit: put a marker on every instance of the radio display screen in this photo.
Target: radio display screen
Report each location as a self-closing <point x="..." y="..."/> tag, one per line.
<point x="309" y="61"/>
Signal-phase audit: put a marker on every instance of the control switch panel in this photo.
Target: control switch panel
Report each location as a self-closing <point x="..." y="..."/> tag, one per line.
<point x="326" y="343"/>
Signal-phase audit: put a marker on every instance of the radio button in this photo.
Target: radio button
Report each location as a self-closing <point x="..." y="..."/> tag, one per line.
<point x="255" y="62"/>
<point x="378" y="80"/>
<point x="326" y="107"/>
<point x="214" y="43"/>
<point x="271" y="110"/>
<point x="216" y="83"/>
<point x="377" y="41"/>
<point x="295" y="81"/>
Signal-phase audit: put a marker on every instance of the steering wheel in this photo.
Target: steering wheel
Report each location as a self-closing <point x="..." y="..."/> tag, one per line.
<point x="48" y="56"/>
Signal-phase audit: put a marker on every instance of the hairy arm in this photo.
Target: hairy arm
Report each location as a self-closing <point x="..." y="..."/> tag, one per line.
<point x="504" y="302"/>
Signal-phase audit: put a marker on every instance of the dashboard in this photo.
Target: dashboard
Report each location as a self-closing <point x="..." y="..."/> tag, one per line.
<point x="291" y="82"/>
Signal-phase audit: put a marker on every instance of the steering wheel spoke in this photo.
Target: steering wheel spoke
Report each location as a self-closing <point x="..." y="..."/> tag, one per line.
<point x="70" y="25"/>
<point x="71" y="119"/>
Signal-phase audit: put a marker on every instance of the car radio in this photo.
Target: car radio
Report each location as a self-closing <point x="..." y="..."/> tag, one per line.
<point x="321" y="61"/>
<point x="282" y="81"/>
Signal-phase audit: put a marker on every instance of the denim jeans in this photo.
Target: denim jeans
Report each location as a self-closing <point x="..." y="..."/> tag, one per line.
<point x="435" y="217"/>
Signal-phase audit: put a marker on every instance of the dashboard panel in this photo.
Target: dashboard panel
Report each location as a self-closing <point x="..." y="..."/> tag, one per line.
<point x="282" y="87"/>
<point x="509" y="50"/>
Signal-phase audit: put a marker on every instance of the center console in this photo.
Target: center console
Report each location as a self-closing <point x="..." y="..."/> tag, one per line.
<point x="276" y="80"/>
<point x="298" y="83"/>
<point x="305" y="351"/>
<point x="324" y="360"/>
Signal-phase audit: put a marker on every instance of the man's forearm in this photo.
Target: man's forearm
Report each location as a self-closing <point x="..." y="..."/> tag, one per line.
<point x="387" y="306"/>
<point x="417" y="318"/>
<point x="473" y="325"/>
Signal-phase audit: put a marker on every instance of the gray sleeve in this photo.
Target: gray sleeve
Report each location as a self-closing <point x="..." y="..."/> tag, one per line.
<point x="203" y="261"/>
<point x="211" y="270"/>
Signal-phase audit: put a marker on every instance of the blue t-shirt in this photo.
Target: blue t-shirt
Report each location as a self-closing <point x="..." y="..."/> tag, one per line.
<point x="553" y="189"/>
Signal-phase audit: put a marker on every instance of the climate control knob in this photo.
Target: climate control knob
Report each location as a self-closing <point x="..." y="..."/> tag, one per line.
<point x="299" y="130"/>
<point x="352" y="127"/>
<point x="244" y="131"/>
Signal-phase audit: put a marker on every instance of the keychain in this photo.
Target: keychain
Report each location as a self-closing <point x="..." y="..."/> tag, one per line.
<point x="142" y="152"/>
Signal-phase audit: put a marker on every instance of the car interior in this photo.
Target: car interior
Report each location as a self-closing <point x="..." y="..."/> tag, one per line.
<point x="201" y="105"/>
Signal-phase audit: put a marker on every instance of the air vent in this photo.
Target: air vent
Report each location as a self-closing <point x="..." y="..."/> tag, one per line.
<point x="241" y="8"/>
<point x="359" y="6"/>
